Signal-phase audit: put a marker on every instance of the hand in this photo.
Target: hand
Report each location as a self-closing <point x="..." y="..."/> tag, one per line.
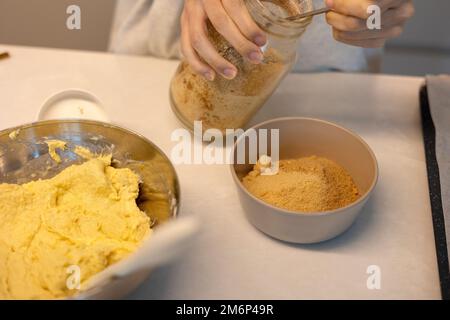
<point x="233" y="21"/>
<point x="349" y="21"/>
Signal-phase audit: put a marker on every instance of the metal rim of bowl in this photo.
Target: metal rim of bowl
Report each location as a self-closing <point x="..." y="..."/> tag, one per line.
<point x="309" y="213"/>
<point x="174" y="208"/>
<point x="177" y="195"/>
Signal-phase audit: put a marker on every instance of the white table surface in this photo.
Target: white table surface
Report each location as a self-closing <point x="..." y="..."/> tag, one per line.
<point x="231" y="259"/>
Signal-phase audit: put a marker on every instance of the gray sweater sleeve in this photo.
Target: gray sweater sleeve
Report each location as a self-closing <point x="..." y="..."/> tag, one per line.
<point x="147" y="27"/>
<point x="152" y="27"/>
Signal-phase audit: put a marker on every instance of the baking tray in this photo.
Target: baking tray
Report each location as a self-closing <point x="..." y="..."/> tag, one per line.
<point x="434" y="183"/>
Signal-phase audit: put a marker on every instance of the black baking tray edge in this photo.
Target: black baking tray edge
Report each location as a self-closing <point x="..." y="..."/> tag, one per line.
<point x="434" y="183"/>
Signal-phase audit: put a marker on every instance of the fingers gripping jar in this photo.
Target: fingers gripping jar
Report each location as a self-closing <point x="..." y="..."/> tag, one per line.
<point x="229" y="104"/>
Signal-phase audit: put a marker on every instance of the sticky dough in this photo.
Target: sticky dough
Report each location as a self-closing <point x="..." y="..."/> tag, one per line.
<point x="85" y="219"/>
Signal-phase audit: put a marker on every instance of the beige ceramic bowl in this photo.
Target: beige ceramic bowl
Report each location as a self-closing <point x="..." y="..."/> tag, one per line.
<point x="301" y="137"/>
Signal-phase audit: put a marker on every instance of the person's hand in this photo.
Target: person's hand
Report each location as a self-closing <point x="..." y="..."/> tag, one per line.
<point x="233" y="21"/>
<point x="349" y="21"/>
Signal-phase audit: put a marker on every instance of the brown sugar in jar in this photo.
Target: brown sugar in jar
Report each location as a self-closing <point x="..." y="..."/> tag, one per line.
<point x="229" y="104"/>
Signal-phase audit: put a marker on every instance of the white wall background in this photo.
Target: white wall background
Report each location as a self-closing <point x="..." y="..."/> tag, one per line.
<point x="425" y="45"/>
<point x="43" y="23"/>
<point x="423" y="48"/>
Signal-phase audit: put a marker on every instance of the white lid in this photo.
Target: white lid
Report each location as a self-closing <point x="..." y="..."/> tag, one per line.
<point x="73" y="104"/>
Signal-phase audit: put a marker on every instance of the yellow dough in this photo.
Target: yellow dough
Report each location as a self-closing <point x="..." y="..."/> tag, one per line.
<point x="85" y="217"/>
<point x="54" y="145"/>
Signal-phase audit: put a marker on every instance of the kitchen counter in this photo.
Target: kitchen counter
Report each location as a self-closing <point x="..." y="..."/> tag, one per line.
<point x="231" y="259"/>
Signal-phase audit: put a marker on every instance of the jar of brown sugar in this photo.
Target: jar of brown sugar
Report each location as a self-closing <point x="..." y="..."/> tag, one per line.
<point x="229" y="104"/>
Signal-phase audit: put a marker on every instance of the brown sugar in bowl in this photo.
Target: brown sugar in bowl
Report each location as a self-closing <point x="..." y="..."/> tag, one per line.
<point x="304" y="137"/>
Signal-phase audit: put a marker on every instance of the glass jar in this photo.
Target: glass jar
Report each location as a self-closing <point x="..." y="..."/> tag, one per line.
<point x="229" y="104"/>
